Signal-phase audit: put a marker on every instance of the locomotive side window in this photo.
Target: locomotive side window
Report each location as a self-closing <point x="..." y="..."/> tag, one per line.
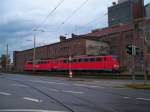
<point x="45" y="62"/>
<point x="86" y="60"/>
<point x="92" y="59"/>
<point x="66" y="61"/>
<point x="79" y="60"/>
<point x="29" y="62"/>
<point x="74" y="60"/>
<point x="38" y="62"/>
<point x="98" y="59"/>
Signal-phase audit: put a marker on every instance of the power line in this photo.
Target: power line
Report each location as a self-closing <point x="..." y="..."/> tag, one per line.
<point x="92" y="21"/>
<point x="50" y="13"/>
<point x="74" y="12"/>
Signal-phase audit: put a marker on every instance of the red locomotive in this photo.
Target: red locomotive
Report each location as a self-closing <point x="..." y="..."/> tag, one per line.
<point x="99" y="63"/>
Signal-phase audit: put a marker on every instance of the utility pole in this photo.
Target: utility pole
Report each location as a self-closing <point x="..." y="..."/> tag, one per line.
<point x="6" y="57"/>
<point x="34" y="52"/>
<point x="145" y="52"/>
<point x="70" y="70"/>
<point x="70" y="62"/>
<point x="135" y="35"/>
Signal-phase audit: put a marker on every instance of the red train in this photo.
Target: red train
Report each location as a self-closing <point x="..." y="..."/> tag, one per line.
<point x="99" y="63"/>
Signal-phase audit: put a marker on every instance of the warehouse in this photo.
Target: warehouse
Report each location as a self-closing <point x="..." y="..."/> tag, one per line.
<point x="75" y="46"/>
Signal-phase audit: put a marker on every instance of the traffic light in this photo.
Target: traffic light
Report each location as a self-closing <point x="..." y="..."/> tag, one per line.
<point x="129" y="49"/>
<point x="132" y="50"/>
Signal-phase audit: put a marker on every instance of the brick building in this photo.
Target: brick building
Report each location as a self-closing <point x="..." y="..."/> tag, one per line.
<point x="75" y="46"/>
<point x="118" y="37"/>
<point x="125" y="11"/>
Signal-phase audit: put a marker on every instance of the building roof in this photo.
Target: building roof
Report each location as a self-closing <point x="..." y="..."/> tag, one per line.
<point x="147" y="5"/>
<point x="75" y="37"/>
<point x="109" y="30"/>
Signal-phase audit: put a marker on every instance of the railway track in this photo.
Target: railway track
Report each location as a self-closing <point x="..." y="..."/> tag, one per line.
<point x="101" y="75"/>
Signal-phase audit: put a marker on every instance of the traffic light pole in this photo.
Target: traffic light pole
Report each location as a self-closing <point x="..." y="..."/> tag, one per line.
<point x="145" y="51"/>
<point x="34" y="52"/>
<point x="134" y="53"/>
<point x="7" y="58"/>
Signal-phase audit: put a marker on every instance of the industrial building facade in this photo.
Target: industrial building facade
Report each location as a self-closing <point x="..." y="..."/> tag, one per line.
<point x="110" y="40"/>
<point x="125" y="11"/>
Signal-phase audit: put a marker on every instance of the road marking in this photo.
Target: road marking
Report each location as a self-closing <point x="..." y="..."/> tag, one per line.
<point x="66" y="91"/>
<point x="4" y="93"/>
<point x="54" y="90"/>
<point x="126" y="97"/>
<point x="47" y="82"/>
<point x="74" y="92"/>
<point x="143" y="99"/>
<point x="27" y="110"/>
<point x="19" y="85"/>
<point x="83" y="85"/>
<point x="32" y="99"/>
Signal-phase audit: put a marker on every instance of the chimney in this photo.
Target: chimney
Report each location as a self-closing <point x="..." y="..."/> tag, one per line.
<point x="62" y="38"/>
<point x="113" y="3"/>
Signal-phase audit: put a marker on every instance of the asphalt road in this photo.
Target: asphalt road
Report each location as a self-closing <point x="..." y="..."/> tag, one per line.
<point x="20" y="93"/>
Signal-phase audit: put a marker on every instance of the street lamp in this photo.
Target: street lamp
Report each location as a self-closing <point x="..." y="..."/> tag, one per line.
<point x="145" y="51"/>
<point x="34" y="50"/>
<point x="70" y="59"/>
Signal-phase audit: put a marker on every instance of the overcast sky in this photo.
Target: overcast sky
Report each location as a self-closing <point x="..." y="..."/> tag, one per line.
<point x="19" y="17"/>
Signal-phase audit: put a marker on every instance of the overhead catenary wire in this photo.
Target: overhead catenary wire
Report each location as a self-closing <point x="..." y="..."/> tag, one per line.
<point x="49" y="14"/>
<point x="92" y="21"/>
<point x="88" y="23"/>
<point x="73" y="13"/>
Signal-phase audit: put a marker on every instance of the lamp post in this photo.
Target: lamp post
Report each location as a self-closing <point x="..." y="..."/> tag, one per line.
<point x="70" y="60"/>
<point x="6" y="57"/>
<point x="70" y="69"/>
<point x="34" y="50"/>
<point x="145" y="52"/>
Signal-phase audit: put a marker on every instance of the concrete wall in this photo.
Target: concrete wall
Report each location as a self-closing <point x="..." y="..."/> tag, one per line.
<point x="96" y="48"/>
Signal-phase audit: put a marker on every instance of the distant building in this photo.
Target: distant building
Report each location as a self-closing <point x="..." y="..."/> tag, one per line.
<point x="147" y="9"/>
<point x="125" y="11"/>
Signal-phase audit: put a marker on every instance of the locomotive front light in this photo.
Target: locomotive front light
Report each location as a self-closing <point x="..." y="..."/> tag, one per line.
<point x="116" y="66"/>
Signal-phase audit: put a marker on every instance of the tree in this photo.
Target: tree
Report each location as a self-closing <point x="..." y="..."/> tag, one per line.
<point x="4" y="62"/>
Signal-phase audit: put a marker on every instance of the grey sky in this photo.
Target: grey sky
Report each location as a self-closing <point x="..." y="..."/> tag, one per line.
<point x="19" y="17"/>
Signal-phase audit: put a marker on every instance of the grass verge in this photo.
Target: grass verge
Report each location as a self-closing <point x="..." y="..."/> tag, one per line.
<point x="138" y="86"/>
